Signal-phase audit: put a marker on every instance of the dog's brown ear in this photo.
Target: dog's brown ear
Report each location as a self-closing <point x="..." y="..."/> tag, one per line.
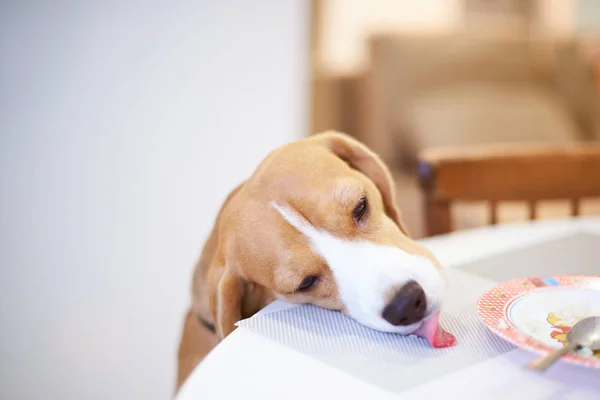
<point x="361" y="158"/>
<point x="226" y="293"/>
<point x="231" y="297"/>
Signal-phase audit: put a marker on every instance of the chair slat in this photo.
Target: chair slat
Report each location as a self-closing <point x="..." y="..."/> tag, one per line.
<point x="493" y="212"/>
<point x="575" y="207"/>
<point x="438" y="216"/>
<point x="532" y="205"/>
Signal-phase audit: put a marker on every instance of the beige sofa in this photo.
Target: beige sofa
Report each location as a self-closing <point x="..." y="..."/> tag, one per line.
<point x="436" y="90"/>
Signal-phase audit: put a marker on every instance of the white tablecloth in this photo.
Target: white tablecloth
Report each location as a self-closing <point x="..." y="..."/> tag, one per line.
<point x="246" y="364"/>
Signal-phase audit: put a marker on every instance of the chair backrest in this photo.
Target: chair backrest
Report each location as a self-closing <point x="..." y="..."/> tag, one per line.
<point x="493" y="174"/>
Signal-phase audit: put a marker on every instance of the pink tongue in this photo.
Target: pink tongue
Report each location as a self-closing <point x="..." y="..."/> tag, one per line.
<point x="432" y="331"/>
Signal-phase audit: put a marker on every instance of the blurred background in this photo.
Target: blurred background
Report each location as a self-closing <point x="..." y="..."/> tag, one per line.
<point x="403" y="76"/>
<point x="123" y="126"/>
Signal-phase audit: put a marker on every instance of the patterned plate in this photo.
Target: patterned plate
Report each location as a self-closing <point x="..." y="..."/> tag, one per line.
<point x="536" y="313"/>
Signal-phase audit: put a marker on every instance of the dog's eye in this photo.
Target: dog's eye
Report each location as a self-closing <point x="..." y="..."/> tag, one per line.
<point x="307" y="283"/>
<point x="360" y="209"/>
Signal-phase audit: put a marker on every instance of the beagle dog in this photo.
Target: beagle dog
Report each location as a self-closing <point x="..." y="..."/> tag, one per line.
<point x="317" y="222"/>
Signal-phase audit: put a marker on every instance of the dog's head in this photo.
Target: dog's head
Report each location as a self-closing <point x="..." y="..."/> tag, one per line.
<point x="317" y="223"/>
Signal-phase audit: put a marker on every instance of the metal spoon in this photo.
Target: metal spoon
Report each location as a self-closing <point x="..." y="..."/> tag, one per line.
<point x="585" y="333"/>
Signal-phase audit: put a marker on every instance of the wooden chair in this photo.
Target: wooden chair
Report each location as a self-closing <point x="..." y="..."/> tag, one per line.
<point x="505" y="173"/>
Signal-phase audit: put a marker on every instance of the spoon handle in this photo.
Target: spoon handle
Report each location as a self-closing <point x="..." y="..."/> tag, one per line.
<point x="542" y="363"/>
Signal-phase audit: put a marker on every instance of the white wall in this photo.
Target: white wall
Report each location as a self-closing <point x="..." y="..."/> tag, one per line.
<point x="123" y="127"/>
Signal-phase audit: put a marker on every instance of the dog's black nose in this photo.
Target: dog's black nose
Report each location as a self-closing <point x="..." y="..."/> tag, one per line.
<point x="408" y="305"/>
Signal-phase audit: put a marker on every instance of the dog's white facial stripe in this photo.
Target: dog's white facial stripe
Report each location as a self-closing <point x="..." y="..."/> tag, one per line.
<point x="365" y="271"/>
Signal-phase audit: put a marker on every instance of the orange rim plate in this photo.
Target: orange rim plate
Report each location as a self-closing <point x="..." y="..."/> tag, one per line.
<point x="536" y="313"/>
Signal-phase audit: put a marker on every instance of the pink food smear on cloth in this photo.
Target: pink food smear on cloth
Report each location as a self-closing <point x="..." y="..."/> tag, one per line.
<point x="437" y="337"/>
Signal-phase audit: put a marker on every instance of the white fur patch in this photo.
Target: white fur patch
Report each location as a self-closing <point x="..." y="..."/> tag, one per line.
<point x="365" y="271"/>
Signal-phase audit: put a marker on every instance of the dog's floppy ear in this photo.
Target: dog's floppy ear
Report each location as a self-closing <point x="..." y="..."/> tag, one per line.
<point x="361" y="158"/>
<point x="233" y="298"/>
<point x="227" y="291"/>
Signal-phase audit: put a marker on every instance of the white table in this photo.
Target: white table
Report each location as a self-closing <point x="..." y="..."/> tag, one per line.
<point x="246" y="364"/>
